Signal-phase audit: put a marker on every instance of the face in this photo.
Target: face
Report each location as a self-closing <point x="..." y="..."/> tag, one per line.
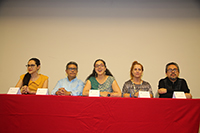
<point x="172" y="72"/>
<point x="32" y="67"/>
<point x="100" y="67"/>
<point x="137" y="71"/>
<point x="72" y="71"/>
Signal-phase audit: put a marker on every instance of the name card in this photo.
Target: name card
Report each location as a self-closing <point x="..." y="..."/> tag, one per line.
<point x="179" y="94"/>
<point x="14" y="90"/>
<point x="144" y="94"/>
<point x="42" y="91"/>
<point x="94" y="93"/>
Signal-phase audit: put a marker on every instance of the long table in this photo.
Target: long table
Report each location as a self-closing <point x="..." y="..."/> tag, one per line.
<point x="34" y="113"/>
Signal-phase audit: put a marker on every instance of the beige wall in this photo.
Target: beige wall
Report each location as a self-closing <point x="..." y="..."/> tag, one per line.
<point x="151" y="32"/>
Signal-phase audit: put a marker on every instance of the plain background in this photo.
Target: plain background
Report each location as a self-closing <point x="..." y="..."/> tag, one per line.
<point x="152" y="32"/>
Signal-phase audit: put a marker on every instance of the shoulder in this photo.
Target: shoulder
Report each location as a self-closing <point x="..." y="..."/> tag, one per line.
<point x="182" y="80"/>
<point x="91" y="78"/>
<point x="44" y="77"/>
<point x="22" y="76"/>
<point x="111" y="78"/>
<point x="128" y="82"/>
<point x="162" y="80"/>
<point x="79" y="81"/>
<point x="63" y="80"/>
<point x="145" y="82"/>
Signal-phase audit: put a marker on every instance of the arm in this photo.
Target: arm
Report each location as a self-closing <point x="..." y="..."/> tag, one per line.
<point x="56" y="88"/>
<point x="186" y="89"/>
<point x="86" y="88"/>
<point x="116" y="90"/>
<point x="24" y="89"/>
<point x="79" y="89"/>
<point x="63" y="92"/>
<point x="19" y="84"/>
<point x="188" y="95"/>
<point x="162" y="91"/>
<point x="161" y="87"/>
<point x="125" y="91"/>
<point x="126" y="95"/>
<point x="150" y="90"/>
<point x="45" y="85"/>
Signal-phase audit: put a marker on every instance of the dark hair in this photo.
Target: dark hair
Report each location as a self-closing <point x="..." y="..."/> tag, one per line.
<point x="133" y="64"/>
<point x="27" y="76"/>
<point x="94" y="74"/>
<point x="172" y="63"/>
<point x="71" y="62"/>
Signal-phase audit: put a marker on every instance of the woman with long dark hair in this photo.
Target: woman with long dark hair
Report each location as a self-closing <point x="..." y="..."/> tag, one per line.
<point x="101" y="79"/>
<point x="32" y="80"/>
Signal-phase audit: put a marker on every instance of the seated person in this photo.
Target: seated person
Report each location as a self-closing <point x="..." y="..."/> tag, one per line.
<point x="172" y="83"/>
<point x="69" y="86"/>
<point x="31" y="81"/>
<point x="102" y="79"/>
<point x="132" y="87"/>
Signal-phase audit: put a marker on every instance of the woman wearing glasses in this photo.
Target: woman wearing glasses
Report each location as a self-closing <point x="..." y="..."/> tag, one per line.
<point x="101" y="79"/>
<point x="32" y="80"/>
<point x="132" y="87"/>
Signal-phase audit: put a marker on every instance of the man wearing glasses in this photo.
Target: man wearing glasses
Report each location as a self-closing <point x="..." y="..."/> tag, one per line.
<point x="69" y="86"/>
<point x="172" y="82"/>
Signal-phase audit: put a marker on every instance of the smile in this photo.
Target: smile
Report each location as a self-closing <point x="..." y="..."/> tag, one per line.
<point x="99" y="70"/>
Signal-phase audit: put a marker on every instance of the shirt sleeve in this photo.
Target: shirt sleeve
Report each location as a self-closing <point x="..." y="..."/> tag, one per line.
<point x="79" y="89"/>
<point x="55" y="88"/>
<point x="22" y="76"/>
<point x="185" y="86"/>
<point x="150" y="89"/>
<point x="125" y="89"/>
<point x="161" y="84"/>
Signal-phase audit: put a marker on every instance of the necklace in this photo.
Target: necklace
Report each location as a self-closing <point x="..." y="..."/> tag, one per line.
<point x="134" y="88"/>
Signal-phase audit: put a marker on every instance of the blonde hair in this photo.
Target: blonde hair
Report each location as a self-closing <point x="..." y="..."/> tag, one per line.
<point x="133" y="64"/>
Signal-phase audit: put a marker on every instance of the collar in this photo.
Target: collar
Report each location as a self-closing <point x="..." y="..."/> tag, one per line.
<point x="171" y="81"/>
<point x="37" y="81"/>
<point x="72" y="79"/>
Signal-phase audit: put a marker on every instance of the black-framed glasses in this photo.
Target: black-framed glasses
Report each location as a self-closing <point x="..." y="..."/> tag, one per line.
<point x="72" y="69"/>
<point x="32" y="65"/>
<point x="170" y="70"/>
<point x="96" y="66"/>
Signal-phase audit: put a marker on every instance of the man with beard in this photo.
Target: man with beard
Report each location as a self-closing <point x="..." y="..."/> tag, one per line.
<point x="69" y="86"/>
<point x="172" y="82"/>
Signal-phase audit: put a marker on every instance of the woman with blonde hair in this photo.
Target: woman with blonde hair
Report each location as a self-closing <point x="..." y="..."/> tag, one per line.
<point x="132" y="87"/>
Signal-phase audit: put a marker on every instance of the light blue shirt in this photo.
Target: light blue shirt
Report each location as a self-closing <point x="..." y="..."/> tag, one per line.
<point x="75" y="86"/>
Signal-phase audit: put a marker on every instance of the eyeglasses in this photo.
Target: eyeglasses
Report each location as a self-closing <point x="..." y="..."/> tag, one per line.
<point x="32" y="65"/>
<point x="96" y="66"/>
<point x="72" y="69"/>
<point x="170" y="70"/>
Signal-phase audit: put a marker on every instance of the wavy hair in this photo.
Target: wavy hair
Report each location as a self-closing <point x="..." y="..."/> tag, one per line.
<point x="94" y="74"/>
<point x="133" y="64"/>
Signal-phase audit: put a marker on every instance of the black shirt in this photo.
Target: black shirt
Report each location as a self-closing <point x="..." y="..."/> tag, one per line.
<point x="178" y="85"/>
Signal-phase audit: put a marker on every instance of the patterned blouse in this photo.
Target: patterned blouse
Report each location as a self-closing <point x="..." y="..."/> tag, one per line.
<point x="106" y="86"/>
<point x="130" y="87"/>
